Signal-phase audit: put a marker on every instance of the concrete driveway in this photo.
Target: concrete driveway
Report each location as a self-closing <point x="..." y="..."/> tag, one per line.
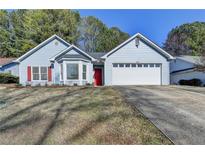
<point x="179" y="112"/>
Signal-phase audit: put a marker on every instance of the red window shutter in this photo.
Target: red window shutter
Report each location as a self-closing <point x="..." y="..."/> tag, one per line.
<point x="29" y="73"/>
<point x="49" y="74"/>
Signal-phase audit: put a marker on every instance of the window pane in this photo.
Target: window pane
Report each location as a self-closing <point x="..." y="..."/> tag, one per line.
<point x="44" y="70"/>
<point x="139" y="65"/>
<point x="127" y="65"/>
<point x="35" y="69"/>
<point x="35" y="76"/>
<point x="72" y="71"/>
<point x="145" y="65"/>
<point x="44" y="73"/>
<point x="84" y="68"/>
<point x="121" y="65"/>
<point x="157" y="65"/>
<point x="43" y="76"/>
<point x="84" y="72"/>
<point x="133" y="65"/>
<point x="115" y="65"/>
<point x="151" y="65"/>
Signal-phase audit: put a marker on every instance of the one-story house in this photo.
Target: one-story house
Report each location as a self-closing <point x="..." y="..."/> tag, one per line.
<point x="184" y="68"/>
<point x="137" y="61"/>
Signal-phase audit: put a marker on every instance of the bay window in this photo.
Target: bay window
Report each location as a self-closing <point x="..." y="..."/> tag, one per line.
<point x="72" y="71"/>
<point x="84" y="72"/>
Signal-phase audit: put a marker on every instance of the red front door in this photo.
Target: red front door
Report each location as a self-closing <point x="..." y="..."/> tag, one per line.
<point x="98" y="77"/>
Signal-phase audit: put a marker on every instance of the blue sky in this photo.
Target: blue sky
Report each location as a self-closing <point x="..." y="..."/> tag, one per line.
<point x="155" y="24"/>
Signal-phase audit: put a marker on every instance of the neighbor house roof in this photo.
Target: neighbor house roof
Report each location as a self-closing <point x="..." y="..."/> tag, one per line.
<point x="41" y="45"/>
<point x="146" y="40"/>
<point x="96" y="55"/>
<point x="4" y="61"/>
<point x="190" y="59"/>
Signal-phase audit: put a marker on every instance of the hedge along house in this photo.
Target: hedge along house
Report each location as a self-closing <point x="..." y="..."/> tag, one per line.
<point x="137" y="61"/>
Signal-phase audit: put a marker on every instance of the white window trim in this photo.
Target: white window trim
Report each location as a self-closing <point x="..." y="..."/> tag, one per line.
<point x="39" y="73"/>
<point x="80" y="74"/>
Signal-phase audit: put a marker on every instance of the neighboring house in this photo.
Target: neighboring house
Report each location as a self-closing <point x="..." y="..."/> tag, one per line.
<point x="184" y="68"/>
<point x="7" y="65"/>
<point x="137" y="61"/>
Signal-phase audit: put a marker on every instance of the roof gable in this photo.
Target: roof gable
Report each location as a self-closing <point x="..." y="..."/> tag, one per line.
<point x="44" y="43"/>
<point x="77" y="52"/>
<point x="146" y="41"/>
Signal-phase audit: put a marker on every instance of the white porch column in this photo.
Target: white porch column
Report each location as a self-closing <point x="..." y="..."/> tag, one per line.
<point x="80" y="64"/>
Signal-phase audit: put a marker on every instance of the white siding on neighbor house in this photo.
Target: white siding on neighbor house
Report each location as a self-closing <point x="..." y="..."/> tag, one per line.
<point x="129" y="53"/>
<point x="187" y="75"/>
<point x="40" y="58"/>
<point x="179" y="64"/>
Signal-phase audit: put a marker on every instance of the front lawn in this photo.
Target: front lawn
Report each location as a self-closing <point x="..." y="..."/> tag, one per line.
<point x="72" y="115"/>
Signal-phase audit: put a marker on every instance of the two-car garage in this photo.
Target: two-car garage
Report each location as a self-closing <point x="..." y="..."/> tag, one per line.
<point x="137" y="61"/>
<point x="136" y="74"/>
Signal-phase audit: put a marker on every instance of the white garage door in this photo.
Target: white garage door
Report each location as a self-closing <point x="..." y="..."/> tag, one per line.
<point x="136" y="74"/>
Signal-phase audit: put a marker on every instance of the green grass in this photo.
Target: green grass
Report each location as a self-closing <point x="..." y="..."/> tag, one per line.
<point x="72" y="115"/>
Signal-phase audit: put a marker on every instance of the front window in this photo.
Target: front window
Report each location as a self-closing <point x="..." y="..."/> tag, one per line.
<point x="40" y="73"/>
<point x="72" y="71"/>
<point x="35" y="73"/>
<point x="44" y="73"/>
<point x="84" y="72"/>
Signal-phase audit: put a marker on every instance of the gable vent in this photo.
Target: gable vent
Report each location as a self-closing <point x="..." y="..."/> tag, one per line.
<point x="137" y="41"/>
<point x="56" y="43"/>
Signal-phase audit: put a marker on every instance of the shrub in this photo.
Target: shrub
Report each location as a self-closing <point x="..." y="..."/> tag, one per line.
<point x="8" y="78"/>
<point x="192" y="82"/>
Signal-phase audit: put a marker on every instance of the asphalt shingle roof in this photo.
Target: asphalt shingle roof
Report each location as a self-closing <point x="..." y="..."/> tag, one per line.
<point x="191" y="59"/>
<point x="4" y="61"/>
<point x="96" y="55"/>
